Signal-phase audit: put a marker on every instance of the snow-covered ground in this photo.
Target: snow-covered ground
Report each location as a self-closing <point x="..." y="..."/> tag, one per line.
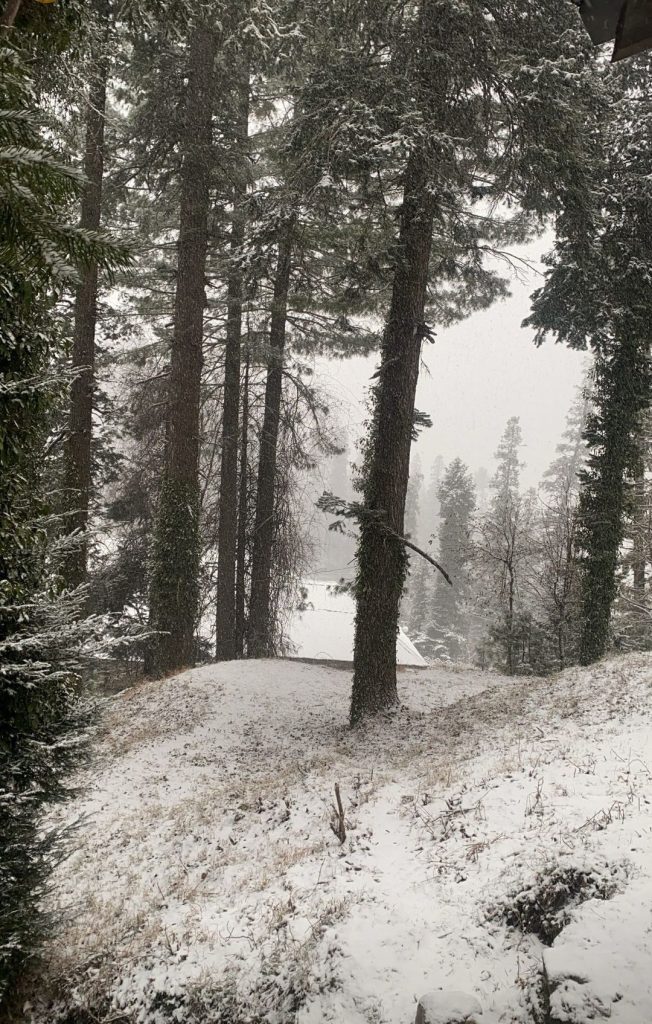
<point x="206" y="883"/>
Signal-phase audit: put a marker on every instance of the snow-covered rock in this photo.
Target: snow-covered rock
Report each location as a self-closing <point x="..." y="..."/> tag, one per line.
<point x="448" y="1008"/>
<point x="594" y="968"/>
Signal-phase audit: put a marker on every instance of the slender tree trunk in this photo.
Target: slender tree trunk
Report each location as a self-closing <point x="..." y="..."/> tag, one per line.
<point x="510" y="623"/>
<point x="78" y="449"/>
<point x="382" y="561"/>
<point x="174" y="589"/>
<point x="639" y="539"/>
<point x="599" y="576"/>
<point x="564" y="608"/>
<point x="639" y="558"/>
<point x="225" y="622"/>
<point x="9" y="13"/>
<point x="240" y="581"/>
<point x="258" y="634"/>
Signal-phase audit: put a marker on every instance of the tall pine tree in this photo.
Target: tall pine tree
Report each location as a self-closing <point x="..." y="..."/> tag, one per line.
<point x="39" y="251"/>
<point x="449" y="626"/>
<point x="598" y="295"/>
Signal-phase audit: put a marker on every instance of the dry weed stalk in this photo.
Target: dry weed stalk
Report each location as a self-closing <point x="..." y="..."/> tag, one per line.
<point x="338" y="823"/>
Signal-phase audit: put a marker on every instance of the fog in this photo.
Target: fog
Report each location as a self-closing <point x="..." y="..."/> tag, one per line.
<point x="474" y="377"/>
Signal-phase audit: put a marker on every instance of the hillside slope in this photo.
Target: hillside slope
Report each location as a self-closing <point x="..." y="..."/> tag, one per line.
<point x="482" y="819"/>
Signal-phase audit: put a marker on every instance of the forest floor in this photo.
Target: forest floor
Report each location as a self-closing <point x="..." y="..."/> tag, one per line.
<point x="498" y="844"/>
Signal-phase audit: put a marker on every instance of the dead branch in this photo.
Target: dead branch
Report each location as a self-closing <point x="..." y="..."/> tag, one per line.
<point x="355" y="510"/>
<point x="424" y="554"/>
<point x="337" y="824"/>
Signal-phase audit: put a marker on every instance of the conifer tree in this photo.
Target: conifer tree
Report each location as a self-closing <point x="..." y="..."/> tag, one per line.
<point x="79" y="436"/>
<point x="449" y="626"/>
<point x="597" y="295"/>
<point x="338" y="555"/>
<point x="243" y="508"/>
<point x="481" y="479"/>
<point x="225" y="618"/>
<point x="389" y="109"/>
<point x="634" y="606"/>
<point x="259" y="637"/>
<point x="613" y="436"/>
<point x="39" y="250"/>
<point x="413" y="501"/>
<point x="501" y="547"/>
<point x="413" y="498"/>
<point x="556" y="573"/>
<point x="174" y="588"/>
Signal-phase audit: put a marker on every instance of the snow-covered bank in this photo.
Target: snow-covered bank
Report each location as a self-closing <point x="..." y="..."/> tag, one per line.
<point x="207" y="884"/>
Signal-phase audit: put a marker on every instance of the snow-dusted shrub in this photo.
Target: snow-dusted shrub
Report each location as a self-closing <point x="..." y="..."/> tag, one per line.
<point x="544" y="907"/>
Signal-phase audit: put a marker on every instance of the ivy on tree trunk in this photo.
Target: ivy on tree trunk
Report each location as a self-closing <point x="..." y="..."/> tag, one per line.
<point x="382" y="561"/>
<point x="622" y="393"/>
<point x="174" y="588"/>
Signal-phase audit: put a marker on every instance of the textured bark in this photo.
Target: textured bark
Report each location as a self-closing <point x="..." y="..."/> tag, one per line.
<point x="78" y="447"/>
<point x="243" y="499"/>
<point x="225" y="621"/>
<point x="174" y="591"/>
<point x="603" y="500"/>
<point x="382" y="560"/>
<point x="511" y="668"/>
<point x="639" y="552"/>
<point x="9" y="13"/>
<point x="258" y="634"/>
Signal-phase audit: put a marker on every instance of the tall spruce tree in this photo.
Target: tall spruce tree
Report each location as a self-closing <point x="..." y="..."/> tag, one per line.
<point x="78" y="446"/>
<point x="39" y="249"/>
<point x="634" y="608"/>
<point x="448" y="630"/>
<point x="613" y="437"/>
<point x="501" y="548"/>
<point x="174" y="587"/>
<point x="556" y="574"/>
<point x="259" y="635"/>
<point x="424" y="579"/>
<point x="597" y="295"/>
<point x="225" y="616"/>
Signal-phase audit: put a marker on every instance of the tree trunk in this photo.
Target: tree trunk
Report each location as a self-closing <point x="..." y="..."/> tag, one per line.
<point x="78" y="448"/>
<point x="258" y="634"/>
<point x="382" y="561"/>
<point x="174" y="590"/>
<point x="603" y="500"/>
<point x="225" y="621"/>
<point x="639" y="538"/>
<point x="564" y="612"/>
<point x="240" y="580"/>
<point x="9" y="13"/>
<point x="510" y="623"/>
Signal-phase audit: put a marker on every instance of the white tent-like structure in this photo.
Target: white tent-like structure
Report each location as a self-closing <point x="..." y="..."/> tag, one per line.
<point x="321" y="628"/>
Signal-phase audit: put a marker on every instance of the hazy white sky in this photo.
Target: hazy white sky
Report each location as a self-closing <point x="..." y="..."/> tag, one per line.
<point x="479" y="373"/>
